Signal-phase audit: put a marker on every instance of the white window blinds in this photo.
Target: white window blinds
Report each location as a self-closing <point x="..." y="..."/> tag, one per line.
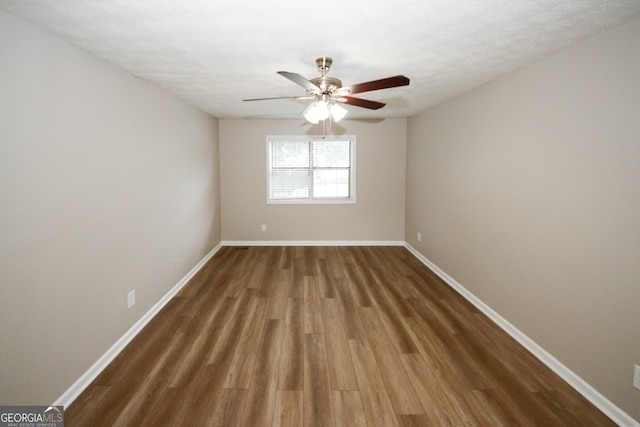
<point x="311" y="170"/>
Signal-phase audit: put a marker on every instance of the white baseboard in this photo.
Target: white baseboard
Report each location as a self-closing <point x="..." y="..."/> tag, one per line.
<point x="83" y="382"/>
<point x="616" y="414"/>
<point x="312" y="243"/>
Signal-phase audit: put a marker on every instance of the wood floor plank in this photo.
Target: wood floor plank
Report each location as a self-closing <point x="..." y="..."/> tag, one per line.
<point x="262" y="390"/>
<point x="221" y="264"/>
<point x="325" y="279"/>
<point x="385" y="259"/>
<point x="83" y="410"/>
<point x="358" y="284"/>
<point x="291" y="366"/>
<point x="340" y="369"/>
<point x="318" y="402"/>
<point x="313" y="323"/>
<point x="435" y="394"/>
<point x="439" y="355"/>
<point x="392" y="317"/>
<point x="484" y="412"/>
<point x="241" y="369"/>
<point x="169" y="409"/>
<point x="521" y="362"/>
<point x="349" y="310"/>
<point x="432" y="312"/>
<point x="280" y="293"/>
<point x="204" y="336"/>
<point x="197" y="402"/>
<point x="375" y="400"/>
<point x="297" y="282"/>
<point x="150" y="389"/>
<point x="395" y="259"/>
<point x="309" y="256"/>
<point x="229" y="336"/>
<point x="391" y="287"/>
<point x="453" y="352"/>
<point x="500" y="405"/>
<point x="413" y="421"/>
<point x="348" y="409"/>
<point x="335" y="263"/>
<point x="229" y="409"/>
<point x="255" y="275"/>
<point x="399" y="388"/>
<point x="288" y="409"/>
<point x="285" y="255"/>
<point x="245" y="268"/>
<point x="388" y="343"/>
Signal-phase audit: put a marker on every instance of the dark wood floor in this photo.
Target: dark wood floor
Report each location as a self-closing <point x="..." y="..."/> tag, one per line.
<point x="325" y="336"/>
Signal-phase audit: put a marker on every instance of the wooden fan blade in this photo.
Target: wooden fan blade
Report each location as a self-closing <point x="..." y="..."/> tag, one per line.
<point x="281" y="97"/>
<point x="364" y="103"/>
<point x="298" y="79"/>
<point x="387" y="83"/>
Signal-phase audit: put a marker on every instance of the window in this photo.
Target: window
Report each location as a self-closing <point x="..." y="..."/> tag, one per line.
<point x="303" y="169"/>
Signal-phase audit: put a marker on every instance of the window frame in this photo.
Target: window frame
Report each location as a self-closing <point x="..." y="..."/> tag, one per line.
<point x="313" y="139"/>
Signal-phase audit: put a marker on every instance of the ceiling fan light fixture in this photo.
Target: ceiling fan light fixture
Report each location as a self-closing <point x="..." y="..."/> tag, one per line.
<point x="309" y="113"/>
<point x="322" y="110"/>
<point x="317" y="111"/>
<point x="338" y="112"/>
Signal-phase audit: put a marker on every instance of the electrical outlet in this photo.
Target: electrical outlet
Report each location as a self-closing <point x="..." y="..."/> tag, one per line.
<point x="264" y="227"/>
<point x="419" y="236"/>
<point x="636" y="376"/>
<point x="131" y="299"/>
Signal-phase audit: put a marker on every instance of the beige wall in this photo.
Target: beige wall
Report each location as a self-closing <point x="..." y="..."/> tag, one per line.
<point x="527" y="192"/>
<point x="378" y="213"/>
<point x="104" y="181"/>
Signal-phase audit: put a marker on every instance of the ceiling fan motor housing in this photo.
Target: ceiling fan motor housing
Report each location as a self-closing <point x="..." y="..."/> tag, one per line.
<point x="328" y="85"/>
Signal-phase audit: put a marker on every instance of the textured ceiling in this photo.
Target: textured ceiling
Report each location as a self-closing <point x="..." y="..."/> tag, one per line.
<point x="214" y="53"/>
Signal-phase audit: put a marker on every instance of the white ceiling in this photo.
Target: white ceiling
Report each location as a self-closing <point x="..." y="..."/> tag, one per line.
<point x="214" y="53"/>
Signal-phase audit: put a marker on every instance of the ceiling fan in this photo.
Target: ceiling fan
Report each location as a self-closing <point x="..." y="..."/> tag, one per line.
<point x="327" y="93"/>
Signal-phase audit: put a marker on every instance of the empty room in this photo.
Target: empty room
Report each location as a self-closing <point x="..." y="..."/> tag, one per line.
<point x="278" y="213"/>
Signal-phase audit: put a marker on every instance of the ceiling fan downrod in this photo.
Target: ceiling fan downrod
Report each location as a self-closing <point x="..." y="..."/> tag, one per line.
<point x="324" y="64"/>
